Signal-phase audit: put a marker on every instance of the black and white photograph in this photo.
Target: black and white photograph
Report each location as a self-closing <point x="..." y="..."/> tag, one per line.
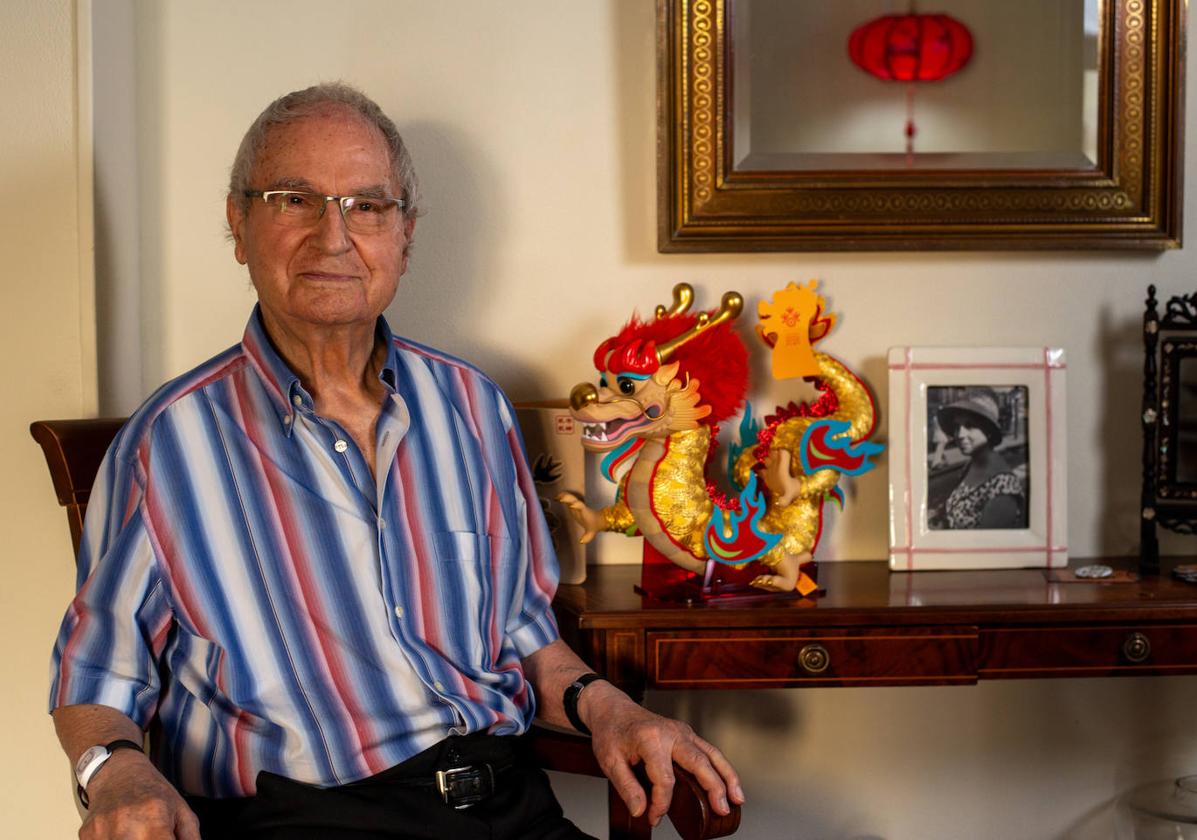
<point x="977" y="457"/>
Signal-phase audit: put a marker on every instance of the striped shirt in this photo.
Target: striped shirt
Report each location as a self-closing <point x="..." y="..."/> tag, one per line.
<point x="248" y="590"/>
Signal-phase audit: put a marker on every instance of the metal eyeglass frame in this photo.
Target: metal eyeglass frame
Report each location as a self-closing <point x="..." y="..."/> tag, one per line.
<point x="344" y="202"/>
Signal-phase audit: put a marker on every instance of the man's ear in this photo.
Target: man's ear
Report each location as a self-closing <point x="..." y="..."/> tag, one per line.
<point x="409" y="225"/>
<point x="236" y="218"/>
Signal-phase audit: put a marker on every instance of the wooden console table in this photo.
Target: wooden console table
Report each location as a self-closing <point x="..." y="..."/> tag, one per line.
<point x="874" y="627"/>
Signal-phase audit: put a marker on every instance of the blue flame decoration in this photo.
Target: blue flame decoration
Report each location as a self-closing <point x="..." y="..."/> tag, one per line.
<point x="750" y="499"/>
<point x="837" y="439"/>
<point x="748" y="431"/>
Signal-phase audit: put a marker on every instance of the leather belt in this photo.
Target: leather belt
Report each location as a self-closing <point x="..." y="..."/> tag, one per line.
<point x="461" y="787"/>
<point x="463" y="769"/>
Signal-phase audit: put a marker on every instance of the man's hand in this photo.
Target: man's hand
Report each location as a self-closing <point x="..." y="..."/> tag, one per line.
<point x="130" y="800"/>
<point x="626" y="734"/>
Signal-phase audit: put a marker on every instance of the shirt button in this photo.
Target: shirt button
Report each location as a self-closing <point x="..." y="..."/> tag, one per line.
<point x="287" y="420"/>
<point x="382" y="524"/>
<point x="437" y="685"/>
<point x="340" y="446"/>
<point x="398" y="612"/>
<point x="298" y="400"/>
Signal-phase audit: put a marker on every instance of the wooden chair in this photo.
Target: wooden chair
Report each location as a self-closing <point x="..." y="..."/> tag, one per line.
<point x="74" y="449"/>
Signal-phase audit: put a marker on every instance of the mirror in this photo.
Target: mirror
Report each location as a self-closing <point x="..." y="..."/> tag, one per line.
<point x="800" y="103"/>
<point x="1060" y="128"/>
<point x="1169" y="422"/>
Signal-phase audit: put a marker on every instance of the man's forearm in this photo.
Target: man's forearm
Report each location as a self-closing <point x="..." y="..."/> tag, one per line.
<point x="85" y="725"/>
<point x="550" y="670"/>
<point x="129" y="797"/>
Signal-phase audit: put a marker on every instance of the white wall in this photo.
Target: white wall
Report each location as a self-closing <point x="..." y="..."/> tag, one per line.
<point x="533" y="127"/>
<point x="47" y="369"/>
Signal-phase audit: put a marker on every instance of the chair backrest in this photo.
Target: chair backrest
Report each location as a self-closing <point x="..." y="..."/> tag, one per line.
<point x="74" y="450"/>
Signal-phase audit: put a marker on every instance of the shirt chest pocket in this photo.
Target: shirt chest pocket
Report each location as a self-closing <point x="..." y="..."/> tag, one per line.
<point x="473" y="570"/>
<point x="471" y="578"/>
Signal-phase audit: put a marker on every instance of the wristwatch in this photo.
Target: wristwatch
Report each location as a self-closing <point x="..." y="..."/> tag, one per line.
<point x="570" y="700"/>
<point x="93" y="759"/>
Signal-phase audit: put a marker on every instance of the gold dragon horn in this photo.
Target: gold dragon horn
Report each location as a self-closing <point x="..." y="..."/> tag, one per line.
<point x="730" y="308"/>
<point x="683" y="296"/>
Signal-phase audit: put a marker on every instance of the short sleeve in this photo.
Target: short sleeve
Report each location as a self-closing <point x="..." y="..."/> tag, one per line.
<point x="531" y="624"/>
<point x="115" y="627"/>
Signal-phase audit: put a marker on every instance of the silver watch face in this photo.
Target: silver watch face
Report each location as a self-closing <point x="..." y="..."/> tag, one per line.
<point x="89" y="755"/>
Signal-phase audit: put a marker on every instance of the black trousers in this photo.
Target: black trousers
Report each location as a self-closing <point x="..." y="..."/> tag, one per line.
<point x="397" y="804"/>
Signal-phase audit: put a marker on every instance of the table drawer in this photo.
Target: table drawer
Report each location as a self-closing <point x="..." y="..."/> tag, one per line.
<point x="779" y="658"/>
<point x="1097" y="651"/>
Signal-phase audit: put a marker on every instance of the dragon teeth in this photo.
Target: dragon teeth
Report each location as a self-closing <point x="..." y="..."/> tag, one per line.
<point x="595" y="431"/>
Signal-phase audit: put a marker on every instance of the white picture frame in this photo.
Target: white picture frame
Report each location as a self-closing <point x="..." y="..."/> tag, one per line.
<point x="939" y="519"/>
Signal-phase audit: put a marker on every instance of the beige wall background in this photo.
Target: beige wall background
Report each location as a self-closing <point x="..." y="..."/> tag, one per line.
<point x="47" y="367"/>
<point x="533" y="126"/>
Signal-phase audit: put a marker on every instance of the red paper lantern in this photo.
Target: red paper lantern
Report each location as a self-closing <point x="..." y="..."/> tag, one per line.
<point x="911" y="48"/>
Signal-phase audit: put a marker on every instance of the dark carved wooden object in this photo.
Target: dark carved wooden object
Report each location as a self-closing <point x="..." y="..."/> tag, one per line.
<point x="1168" y="498"/>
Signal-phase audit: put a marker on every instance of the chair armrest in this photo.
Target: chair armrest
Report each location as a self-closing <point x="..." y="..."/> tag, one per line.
<point x="690" y="811"/>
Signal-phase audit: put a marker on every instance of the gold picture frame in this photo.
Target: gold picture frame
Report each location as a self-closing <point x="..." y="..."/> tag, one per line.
<point x="1131" y="198"/>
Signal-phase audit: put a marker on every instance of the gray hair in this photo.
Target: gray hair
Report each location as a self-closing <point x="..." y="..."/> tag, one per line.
<point x="305" y="103"/>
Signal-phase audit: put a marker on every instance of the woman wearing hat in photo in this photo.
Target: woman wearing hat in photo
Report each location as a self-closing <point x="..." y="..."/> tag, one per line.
<point x="989" y="494"/>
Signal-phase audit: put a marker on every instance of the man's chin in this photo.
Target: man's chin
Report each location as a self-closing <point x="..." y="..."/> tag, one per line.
<point x="329" y="311"/>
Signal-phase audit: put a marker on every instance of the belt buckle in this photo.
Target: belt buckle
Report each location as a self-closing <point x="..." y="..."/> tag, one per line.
<point x="462" y="787"/>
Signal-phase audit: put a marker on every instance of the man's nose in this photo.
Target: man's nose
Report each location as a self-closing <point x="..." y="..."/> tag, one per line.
<point x="331" y="232"/>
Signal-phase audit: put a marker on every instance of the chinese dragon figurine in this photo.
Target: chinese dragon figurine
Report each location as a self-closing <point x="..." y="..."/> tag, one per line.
<point x="664" y="386"/>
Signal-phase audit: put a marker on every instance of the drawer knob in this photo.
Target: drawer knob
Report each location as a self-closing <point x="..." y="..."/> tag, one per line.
<point x="1136" y="648"/>
<point x="814" y="658"/>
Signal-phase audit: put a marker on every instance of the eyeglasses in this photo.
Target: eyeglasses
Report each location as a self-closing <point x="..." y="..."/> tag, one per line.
<point x="362" y="214"/>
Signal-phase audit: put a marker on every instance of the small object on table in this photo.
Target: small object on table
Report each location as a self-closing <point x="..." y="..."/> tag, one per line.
<point x="1102" y="573"/>
<point x="1186" y="572"/>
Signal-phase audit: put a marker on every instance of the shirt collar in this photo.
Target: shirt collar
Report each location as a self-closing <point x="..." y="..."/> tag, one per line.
<point x="286" y="391"/>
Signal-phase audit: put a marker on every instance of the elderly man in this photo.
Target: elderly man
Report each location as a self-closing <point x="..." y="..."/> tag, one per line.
<point x="315" y="565"/>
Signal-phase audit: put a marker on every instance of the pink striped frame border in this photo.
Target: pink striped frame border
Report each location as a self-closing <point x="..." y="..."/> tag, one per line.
<point x="909" y="368"/>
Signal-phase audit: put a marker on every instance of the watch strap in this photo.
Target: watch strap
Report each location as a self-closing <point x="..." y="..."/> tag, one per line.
<point x="90" y="771"/>
<point x="570" y="700"/>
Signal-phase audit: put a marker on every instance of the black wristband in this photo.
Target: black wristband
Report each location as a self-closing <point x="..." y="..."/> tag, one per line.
<point x="113" y="746"/>
<point x="570" y="700"/>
